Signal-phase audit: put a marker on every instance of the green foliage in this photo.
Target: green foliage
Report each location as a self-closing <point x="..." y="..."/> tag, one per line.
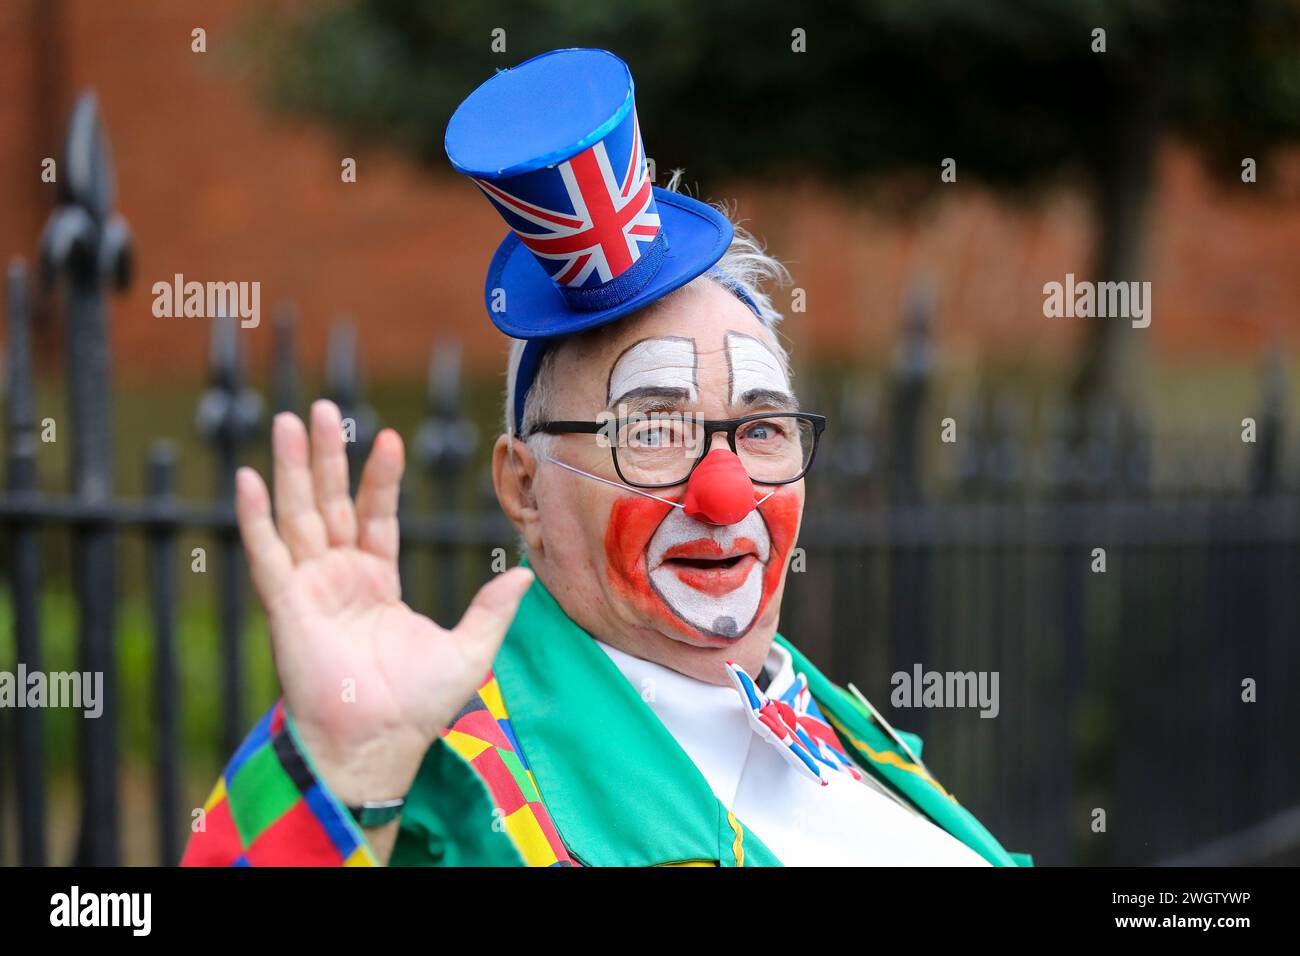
<point x="1012" y="88"/>
<point x="199" y="689"/>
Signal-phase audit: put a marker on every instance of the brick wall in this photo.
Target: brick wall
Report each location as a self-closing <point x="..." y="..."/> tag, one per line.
<point x="217" y="188"/>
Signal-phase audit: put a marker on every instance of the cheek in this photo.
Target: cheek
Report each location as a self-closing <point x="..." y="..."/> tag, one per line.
<point x="632" y="522"/>
<point x="781" y="513"/>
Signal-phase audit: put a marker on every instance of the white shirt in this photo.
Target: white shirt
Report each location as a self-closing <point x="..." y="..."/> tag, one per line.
<point x="846" y="823"/>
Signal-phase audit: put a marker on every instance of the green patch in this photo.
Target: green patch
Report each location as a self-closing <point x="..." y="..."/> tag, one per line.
<point x="522" y="780"/>
<point x="260" y="794"/>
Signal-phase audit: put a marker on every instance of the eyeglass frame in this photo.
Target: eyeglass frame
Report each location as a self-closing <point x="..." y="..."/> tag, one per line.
<point x="711" y="427"/>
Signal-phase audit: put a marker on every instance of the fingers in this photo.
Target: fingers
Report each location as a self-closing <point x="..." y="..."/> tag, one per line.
<point x="377" y="497"/>
<point x="300" y="524"/>
<point x="329" y="473"/>
<point x="268" y="559"/>
<point x="488" y="616"/>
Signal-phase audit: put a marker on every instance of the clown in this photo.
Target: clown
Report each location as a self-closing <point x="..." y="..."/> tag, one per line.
<point x="624" y="698"/>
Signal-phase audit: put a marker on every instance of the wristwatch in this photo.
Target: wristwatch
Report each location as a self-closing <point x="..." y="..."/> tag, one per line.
<point x="375" y="813"/>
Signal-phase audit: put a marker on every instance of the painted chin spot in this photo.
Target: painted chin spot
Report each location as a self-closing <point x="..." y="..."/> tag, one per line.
<point x="726" y="626"/>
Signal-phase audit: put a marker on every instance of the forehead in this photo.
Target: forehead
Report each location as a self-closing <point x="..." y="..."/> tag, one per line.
<point x="695" y="325"/>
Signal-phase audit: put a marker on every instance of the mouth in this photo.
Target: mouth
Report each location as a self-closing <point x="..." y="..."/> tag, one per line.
<point x="703" y="566"/>
<point x="706" y="564"/>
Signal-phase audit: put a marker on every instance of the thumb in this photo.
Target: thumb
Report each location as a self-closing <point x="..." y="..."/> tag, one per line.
<point x="488" y="616"/>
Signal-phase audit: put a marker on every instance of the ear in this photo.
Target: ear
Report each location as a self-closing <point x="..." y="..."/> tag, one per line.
<point x="513" y="468"/>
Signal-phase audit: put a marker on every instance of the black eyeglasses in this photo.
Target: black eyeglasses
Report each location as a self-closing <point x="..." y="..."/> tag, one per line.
<point x="662" y="449"/>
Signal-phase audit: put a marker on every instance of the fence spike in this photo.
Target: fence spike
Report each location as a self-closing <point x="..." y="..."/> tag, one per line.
<point x="87" y="246"/>
<point x="284" y="359"/>
<point x="343" y="386"/>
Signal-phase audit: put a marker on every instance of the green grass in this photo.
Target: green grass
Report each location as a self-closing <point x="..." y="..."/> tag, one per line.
<point x="200" y="691"/>
<point x="202" y="754"/>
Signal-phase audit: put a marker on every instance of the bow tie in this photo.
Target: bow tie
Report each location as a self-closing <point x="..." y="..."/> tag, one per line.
<point x="794" y="724"/>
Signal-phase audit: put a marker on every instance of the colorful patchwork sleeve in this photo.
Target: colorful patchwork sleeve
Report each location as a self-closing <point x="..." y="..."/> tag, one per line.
<point x="270" y="809"/>
<point x="481" y="734"/>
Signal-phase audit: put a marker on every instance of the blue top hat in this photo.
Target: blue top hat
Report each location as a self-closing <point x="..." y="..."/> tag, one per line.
<point x="555" y="146"/>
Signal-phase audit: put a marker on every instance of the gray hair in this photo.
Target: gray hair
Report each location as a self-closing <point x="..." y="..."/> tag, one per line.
<point x="745" y="270"/>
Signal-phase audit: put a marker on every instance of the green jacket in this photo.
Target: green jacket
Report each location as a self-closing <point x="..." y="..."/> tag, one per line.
<point x="558" y="760"/>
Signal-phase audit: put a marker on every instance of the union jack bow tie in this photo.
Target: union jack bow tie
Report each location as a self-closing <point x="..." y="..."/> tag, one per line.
<point x="794" y="724"/>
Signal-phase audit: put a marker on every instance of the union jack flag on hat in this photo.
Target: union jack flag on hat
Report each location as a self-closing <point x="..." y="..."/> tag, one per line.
<point x="589" y="219"/>
<point x="555" y="144"/>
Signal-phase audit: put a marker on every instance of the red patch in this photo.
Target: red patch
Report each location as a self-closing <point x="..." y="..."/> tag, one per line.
<point x="633" y="521"/>
<point x="297" y="836"/>
<point x="218" y="844"/>
<point x="781" y="513"/>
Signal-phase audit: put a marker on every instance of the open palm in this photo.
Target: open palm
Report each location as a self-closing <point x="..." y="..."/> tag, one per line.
<point x="368" y="681"/>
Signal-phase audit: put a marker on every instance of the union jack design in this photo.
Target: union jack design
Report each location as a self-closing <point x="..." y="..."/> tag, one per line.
<point x="795" y="725"/>
<point x="605" y="220"/>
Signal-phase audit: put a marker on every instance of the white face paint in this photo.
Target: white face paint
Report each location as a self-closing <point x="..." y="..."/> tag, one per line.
<point x="720" y="604"/>
<point x="753" y="367"/>
<point x="658" y="364"/>
<point x="711" y="577"/>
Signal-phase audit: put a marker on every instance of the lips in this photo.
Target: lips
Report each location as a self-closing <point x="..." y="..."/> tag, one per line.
<point x="683" y="540"/>
<point x="703" y="564"/>
<point x="707" y="549"/>
<point x="714" y="578"/>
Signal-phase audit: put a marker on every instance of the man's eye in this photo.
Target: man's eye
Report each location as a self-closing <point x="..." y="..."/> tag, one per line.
<point x="763" y="431"/>
<point x="654" y="435"/>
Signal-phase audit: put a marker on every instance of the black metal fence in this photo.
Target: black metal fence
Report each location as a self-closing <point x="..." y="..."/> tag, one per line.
<point x="1121" y="736"/>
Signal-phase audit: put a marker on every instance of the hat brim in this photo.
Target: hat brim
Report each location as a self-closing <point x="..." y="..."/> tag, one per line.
<point x="533" y="308"/>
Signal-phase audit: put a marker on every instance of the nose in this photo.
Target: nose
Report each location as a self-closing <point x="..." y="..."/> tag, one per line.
<point x="719" y="490"/>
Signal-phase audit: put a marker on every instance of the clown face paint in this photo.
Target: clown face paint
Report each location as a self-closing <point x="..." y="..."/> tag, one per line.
<point x="708" y="581"/>
<point x="711" y="576"/>
<point x="755" y="372"/>
<point x="658" y="365"/>
<point x="667" y="563"/>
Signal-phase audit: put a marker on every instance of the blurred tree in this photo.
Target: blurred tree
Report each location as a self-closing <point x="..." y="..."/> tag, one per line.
<point x="1012" y="89"/>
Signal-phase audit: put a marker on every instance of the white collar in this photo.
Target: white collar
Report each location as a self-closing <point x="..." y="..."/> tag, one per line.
<point x="801" y="822"/>
<point x="708" y="721"/>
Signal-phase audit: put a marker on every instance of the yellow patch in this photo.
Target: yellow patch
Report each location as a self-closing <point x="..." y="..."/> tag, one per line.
<point x="218" y="794"/>
<point x="466" y="745"/>
<point x="527" y="835"/>
<point x="490" y="694"/>
<point x="361" y="856"/>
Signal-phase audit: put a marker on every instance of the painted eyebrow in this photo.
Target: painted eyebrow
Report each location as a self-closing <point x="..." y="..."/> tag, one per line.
<point x="609" y="378"/>
<point x="648" y="395"/>
<point x="770" y="396"/>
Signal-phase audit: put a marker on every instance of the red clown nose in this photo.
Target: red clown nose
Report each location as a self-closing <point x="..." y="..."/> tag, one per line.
<point x="720" y="491"/>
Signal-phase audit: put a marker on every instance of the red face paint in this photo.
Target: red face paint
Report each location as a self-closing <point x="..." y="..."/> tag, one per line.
<point x="781" y="513"/>
<point x="633" y="522"/>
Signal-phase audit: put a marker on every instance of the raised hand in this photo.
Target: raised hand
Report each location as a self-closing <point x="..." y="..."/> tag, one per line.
<point x="368" y="681"/>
